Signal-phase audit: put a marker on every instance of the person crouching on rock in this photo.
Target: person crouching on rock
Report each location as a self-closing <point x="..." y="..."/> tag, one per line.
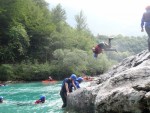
<point x="65" y="88"/>
<point x="41" y="100"/>
<point x="77" y="83"/>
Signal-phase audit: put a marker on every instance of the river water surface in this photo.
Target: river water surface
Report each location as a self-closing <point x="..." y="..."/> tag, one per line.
<point x="20" y="98"/>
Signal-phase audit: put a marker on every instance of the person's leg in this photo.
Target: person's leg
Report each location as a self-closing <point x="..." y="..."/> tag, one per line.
<point x="110" y="49"/>
<point x="95" y="55"/>
<point x="64" y="98"/>
<point x="149" y="44"/>
<point x="148" y="33"/>
<point x="109" y="41"/>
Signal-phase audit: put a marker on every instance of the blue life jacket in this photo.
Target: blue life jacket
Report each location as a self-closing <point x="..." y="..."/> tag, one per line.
<point x="71" y="85"/>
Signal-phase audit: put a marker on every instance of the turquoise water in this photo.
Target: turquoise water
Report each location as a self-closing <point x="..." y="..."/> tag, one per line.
<point x="20" y="98"/>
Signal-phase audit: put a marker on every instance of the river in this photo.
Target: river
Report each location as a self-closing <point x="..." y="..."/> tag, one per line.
<point x="20" y="98"/>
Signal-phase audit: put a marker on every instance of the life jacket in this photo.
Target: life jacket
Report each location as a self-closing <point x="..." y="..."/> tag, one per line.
<point x="98" y="49"/>
<point x="38" y="101"/>
<point x="71" y="85"/>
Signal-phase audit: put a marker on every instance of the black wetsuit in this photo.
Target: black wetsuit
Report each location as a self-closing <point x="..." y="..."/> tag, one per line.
<point x="63" y="92"/>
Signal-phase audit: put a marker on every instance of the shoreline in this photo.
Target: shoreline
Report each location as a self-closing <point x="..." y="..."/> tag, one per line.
<point x="13" y="82"/>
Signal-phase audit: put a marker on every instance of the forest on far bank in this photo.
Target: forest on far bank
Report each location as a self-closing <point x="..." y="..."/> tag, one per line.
<point x="36" y="42"/>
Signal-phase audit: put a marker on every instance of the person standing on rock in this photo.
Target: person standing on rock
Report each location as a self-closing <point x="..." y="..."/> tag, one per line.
<point x="65" y="88"/>
<point x="103" y="46"/>
<point x="145" y="21"/>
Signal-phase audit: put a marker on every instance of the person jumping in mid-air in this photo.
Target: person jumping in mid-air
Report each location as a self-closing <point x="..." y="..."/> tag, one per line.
<point x="102" y="46"/>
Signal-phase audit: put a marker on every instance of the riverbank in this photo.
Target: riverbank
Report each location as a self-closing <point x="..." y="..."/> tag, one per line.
<point x="13" y="82"/>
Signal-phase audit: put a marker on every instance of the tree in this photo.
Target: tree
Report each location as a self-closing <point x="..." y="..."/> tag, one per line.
<point x="22" y="20"/>
<point x="58" y="17"/>
<point x="58" y="14"/>
<point x="81" y="21"/>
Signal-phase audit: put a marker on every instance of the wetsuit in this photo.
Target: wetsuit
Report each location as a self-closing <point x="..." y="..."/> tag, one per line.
<point x="71" y="86"/>
<point x="63" y="92"/>
<point x="146" y="20"/>
<point x="39" y="101"/>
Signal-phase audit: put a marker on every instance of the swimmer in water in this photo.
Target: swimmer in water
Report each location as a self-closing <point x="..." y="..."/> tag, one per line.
<point x="41" y="100"/>
<point x="1" y="99"/>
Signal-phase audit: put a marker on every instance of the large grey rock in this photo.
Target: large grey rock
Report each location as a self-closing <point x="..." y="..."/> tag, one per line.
<point x="123" y="89"/>
<point x="83" y="100"/>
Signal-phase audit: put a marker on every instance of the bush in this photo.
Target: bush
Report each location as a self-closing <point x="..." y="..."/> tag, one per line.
<point x="98" y="65"/>
<point x="6" y="72"/>
<point x="32" y="72"/>
<point x="67" y="62"/>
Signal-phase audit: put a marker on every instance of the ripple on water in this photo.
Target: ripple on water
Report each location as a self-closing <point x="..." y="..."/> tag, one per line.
<point x="20" y="98"/>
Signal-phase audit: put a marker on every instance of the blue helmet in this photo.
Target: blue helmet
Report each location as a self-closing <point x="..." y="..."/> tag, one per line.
<point x="79" y="79"/>
<point x="1" y="97"/>
<point x="42" y="98"/>
<point x="73" y="77"/>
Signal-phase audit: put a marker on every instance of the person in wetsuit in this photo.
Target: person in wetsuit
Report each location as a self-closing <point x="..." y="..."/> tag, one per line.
<point x="65" y="88"/>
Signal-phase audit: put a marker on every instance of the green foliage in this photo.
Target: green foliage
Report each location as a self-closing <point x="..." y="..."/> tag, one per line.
<point x="118" y="56"/>
<point x="131" y="45"/>
<point x="58" y="14"/>
<point x="74" y="61"/>
<point x="32" y="72"/>
<point x="28" y="23"/>
<point x="6" y="72"/>
<point x="83" y="40"/>
<point x="81" y="21"/>
<point x="98" y="65"/>
<point x="125" y="46"/>
<point x="32" y="33"/>
<point x="19" y="40"/>
<point x="77" y="61"/>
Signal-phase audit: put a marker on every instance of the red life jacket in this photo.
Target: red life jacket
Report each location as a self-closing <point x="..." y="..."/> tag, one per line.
<point x="97" y="50"/>
<point x="38" y="101"/>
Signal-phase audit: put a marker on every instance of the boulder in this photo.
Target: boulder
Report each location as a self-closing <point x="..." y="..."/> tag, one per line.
<point x="123" y="89"/>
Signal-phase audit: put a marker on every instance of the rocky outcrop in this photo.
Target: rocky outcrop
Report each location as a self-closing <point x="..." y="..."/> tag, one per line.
<point x="123" y="89"/>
